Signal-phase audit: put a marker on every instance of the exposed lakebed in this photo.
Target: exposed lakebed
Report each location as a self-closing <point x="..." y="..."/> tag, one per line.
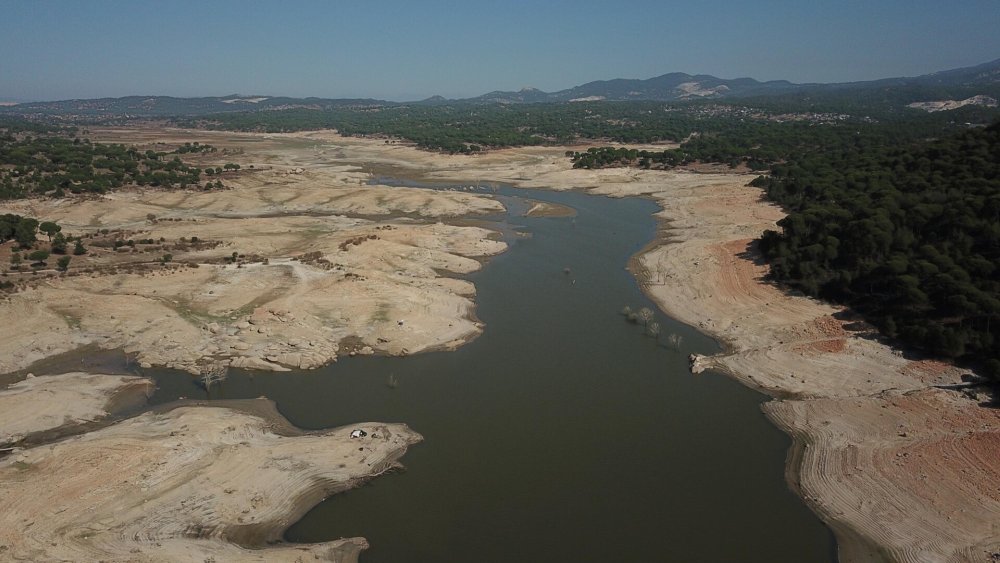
<point x="562" y="433"/>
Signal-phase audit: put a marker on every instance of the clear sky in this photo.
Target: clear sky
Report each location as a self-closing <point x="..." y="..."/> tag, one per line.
<point x="415" y="48"/>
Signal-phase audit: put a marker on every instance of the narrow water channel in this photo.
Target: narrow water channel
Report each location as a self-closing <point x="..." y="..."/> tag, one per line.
<point x="562" y="433"/>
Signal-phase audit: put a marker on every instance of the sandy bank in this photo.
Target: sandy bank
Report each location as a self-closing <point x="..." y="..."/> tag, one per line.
<point x="899" y="470"/>
<point x="57" y="402"/>
<point x="185" y="484"/>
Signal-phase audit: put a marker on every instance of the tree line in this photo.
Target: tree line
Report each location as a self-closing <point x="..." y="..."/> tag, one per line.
<point x="908" y="234"/>
<point x="57" y="164"/>
<point x="470" y="128"/>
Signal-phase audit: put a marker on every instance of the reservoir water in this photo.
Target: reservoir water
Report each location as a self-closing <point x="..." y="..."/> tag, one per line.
<point x="562" y="433"/>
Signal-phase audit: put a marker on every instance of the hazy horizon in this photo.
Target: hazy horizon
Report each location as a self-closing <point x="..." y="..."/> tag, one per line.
<point x="403" y="52"/>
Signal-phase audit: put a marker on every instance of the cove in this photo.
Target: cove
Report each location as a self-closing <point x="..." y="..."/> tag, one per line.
<point x="562" y="433"/>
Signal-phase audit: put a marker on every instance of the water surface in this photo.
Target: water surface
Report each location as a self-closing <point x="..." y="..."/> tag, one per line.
<point x="562" y="433"/>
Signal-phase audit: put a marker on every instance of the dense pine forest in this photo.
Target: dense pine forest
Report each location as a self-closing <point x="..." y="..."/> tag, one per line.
<point x="907" y="235"/>
<point x="467" y="128"/>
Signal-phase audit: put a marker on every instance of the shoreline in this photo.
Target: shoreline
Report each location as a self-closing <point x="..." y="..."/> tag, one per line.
<point x="812" y="460"/>
<point x="324" y="257"/>
<point x="219" y="480"/>
<point x="206" y="481"/>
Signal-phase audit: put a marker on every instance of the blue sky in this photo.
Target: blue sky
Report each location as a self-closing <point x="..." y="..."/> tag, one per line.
<point x="413" y="49"/>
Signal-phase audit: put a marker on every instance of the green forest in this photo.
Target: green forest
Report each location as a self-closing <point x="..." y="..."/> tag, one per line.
<point x="57" y="162"/>
<point x="468" y="128"/>
<point x="908" y="235"/>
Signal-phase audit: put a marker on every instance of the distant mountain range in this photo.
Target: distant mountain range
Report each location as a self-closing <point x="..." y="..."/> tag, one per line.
<point x="982" y="79"/>
<point x="680" y="86"/>
<point x="669" y="87"/>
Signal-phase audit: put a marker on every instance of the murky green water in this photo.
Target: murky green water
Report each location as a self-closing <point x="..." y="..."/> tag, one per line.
<point x="562" y="433"/>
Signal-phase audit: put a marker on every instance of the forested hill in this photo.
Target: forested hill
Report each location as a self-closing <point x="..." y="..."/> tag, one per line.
<point x="909" y="237"/>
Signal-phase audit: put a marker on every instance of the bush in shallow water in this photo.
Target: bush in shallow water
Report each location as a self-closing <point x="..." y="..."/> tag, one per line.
<point x="645" y="315"/>
<point x="653" y="329"/>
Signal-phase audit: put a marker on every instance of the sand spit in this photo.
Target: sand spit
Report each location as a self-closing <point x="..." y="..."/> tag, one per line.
<point x="193" y="483"/>
<point x="901" y="471"/>
<point x="58" y="402"/>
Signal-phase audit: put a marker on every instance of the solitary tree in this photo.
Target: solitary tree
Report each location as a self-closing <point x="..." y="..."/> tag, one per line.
<point x="674" y="340"/>
<point x="214" y="373"/>
<point x="63" y="263"/>
<point x="79" y="250"/>
<point x="653" y="329"/>
<point x="39" y="256"/>
<point x="49" y="228"/>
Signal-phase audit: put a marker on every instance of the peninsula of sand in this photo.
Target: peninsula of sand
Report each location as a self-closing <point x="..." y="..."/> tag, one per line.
<point x="305" y="257"/>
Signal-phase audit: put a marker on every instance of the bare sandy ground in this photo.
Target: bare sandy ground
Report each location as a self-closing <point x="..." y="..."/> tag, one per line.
<point x="39" y="404"/>
<point x="345" y="262"/>
<point x="900" y="470"/>
<point x="171" y="486"/>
